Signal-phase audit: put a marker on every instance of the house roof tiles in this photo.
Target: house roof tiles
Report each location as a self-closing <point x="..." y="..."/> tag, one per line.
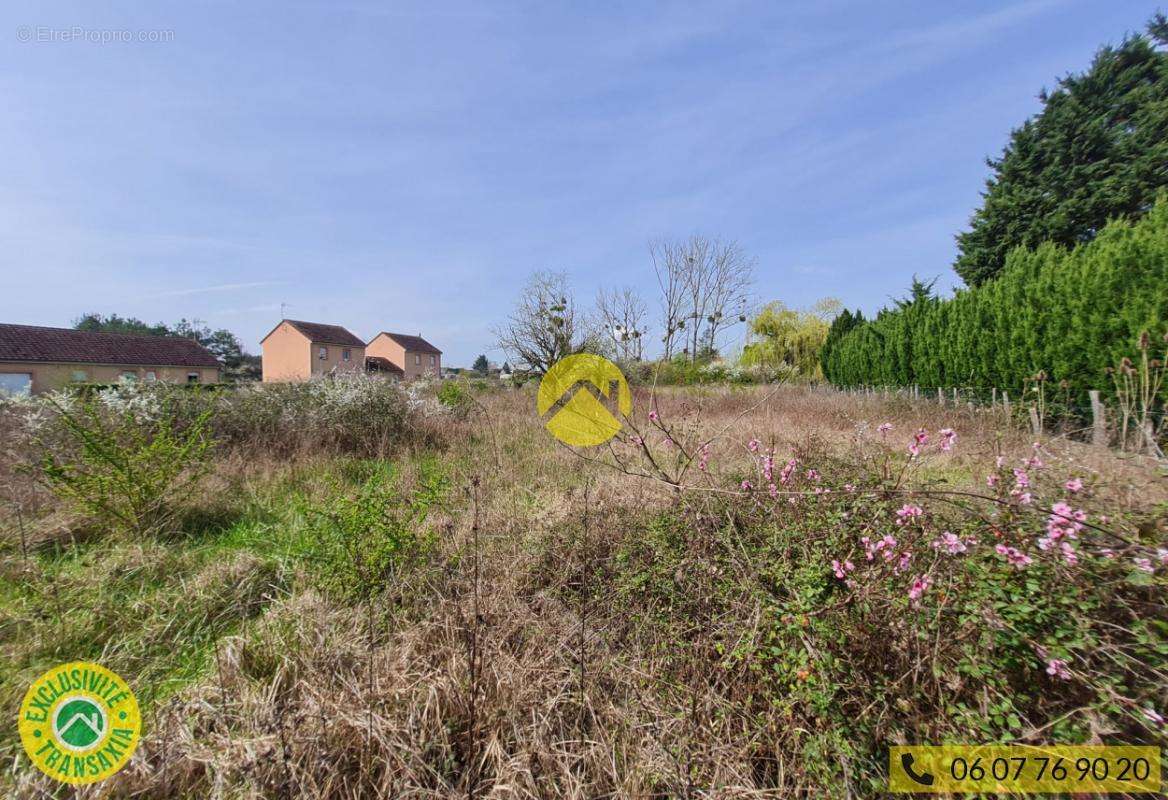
<point x="36" y="343"/>
<point x="412" y="344"/>
<point x="318" y="332"/>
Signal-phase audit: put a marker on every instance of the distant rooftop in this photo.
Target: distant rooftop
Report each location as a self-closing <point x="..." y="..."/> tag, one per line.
<point x="68" y="345"/>
<point x="414" y="344"/>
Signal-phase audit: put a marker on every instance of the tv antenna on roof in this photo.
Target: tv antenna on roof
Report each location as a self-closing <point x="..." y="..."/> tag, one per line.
<point x="282" y="307"/>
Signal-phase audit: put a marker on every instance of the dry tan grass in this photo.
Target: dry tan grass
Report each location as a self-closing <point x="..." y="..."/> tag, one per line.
<point x="289" y="710"/>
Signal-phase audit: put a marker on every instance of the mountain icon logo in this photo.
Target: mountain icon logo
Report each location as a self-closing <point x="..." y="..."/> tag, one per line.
<point x="79" y="723"/>
<point x="574" y="387"/>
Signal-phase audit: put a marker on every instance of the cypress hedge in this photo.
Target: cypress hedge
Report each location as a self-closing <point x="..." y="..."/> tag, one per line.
<point x="1068" y="313"/>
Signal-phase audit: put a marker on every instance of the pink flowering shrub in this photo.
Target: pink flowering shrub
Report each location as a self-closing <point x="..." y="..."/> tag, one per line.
<point x="859" y="577"/>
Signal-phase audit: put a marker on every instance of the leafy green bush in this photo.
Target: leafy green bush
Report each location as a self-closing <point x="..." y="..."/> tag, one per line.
<point x="361" y="540"/>
<point x="454" y="396"/>
<point x="123" y="460"/>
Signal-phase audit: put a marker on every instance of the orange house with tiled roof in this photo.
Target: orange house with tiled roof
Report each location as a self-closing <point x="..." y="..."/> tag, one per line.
<point x="413" y="355"/>
<point x="296" y="351"/>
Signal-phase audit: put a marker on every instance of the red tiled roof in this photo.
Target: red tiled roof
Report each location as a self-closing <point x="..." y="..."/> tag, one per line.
<point x="413" y="344"/>
<point x="34" y="343"/>
<point x="318" y="332"/>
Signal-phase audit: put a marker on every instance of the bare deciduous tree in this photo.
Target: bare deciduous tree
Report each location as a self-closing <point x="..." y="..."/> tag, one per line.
<point x="704" y="287"/>
<point x="622" y="314"/>
<point x="668" y="258"/>
<point x="545" y="324"/>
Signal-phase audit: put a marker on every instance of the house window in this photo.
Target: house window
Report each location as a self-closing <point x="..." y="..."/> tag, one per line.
<point x="417" y="359"/>
<point x="431" y="361"/>
<point x="150" y="375"/>
<point x="192" y="377"/>
<point x="322" y="353"/>
<point x="79" y="375"/>
<point x="346" y="354"/>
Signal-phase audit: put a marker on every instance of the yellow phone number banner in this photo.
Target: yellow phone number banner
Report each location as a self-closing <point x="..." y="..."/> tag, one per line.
<point x="1024" y="769"/>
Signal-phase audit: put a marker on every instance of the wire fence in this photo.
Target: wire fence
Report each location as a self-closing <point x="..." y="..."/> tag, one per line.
<point x="1104" y="420"/>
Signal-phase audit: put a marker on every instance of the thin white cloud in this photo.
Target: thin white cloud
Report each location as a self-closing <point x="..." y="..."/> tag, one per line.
<point x="223" y="287"/>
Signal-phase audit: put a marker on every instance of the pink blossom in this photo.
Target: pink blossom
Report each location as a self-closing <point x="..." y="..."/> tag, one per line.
<point x="948" y="439"/>
<point x="951" y="543"/>
<point x="887" y="545"/>
<point x="906" y="512"/>
<point x="1107" y="552"/>
<point x="753" y="445"/>
<point x="1074" y="485"/>
<point x="1144" y="564"/>
<point x="1021" y="479"/>
<point x="653" y="416"/>
<point x="991" y="481"/>
<point x="903" y="562"/>
<point x="1064" y="521"/>
<point x="884" y="428"/>
<point x="849" y="487"/>
<point x="812" y="474"/>
<point x="768" y="467"/>
<point x="1069" y="554"/>
<point x="1000" y="461"/>
<point x="785" y="472"/>
<point x="1151" y="716"/>
<point x="1058" y="668"/>
<point x="841" y="569"/>
<point x="703" y="457"/>
<point x="773" y="491"/>
<point x="920" y="438"/>
<point x="1015" y="557"/>
<point x="746" y="486"/>
<point x="919" y="585"/>
<point x="1162" y="554"/>
<point x="637" y="440"/>
<point x="1024" y="498"/>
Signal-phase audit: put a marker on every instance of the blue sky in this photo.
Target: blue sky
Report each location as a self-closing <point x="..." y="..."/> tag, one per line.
<point x="406" y="166"/>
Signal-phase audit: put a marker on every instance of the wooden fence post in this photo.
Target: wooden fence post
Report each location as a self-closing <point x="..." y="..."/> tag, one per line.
<point x="1006" y="402"/>
<point x="994" y="397"/>
<point x="1098" y="419"/>
<point x="1035" y="421"/>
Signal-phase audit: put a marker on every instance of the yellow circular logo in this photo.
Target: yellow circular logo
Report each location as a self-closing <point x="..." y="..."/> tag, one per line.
<point x="582" y="419"/>
<point x="79" y="723"/>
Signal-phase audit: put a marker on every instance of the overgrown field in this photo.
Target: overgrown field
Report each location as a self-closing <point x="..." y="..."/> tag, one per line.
<point x="344" y="590"/>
